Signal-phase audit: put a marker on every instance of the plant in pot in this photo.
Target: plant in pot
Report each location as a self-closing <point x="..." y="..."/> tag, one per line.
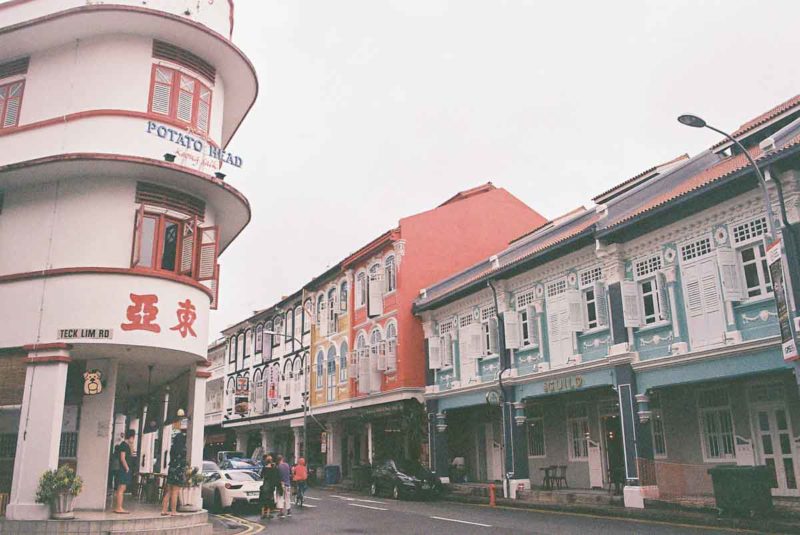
<point x="58" y="488"/>
<point x="188" y="495"/>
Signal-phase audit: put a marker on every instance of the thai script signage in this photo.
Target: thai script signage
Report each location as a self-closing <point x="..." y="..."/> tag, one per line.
<point x="562" y="385"/>
<point x="203" y="149"/>
<point x="93" y="334"/>
<point x="775" y="261"/>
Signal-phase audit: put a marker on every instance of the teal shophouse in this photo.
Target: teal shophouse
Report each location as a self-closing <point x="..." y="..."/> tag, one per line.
<point x="638" y="340"/>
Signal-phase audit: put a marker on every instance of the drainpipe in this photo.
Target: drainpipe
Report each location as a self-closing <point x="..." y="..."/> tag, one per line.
<point x="508" y="441"/>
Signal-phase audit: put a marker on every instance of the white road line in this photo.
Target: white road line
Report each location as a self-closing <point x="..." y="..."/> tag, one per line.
<point x="309" y="505"/>
<point x="336" y="496"/>
<point x="461" y="521"/>
<point x="368" y="507"/>
<point x="312" y="498"/>
<point x="366" y="501"/>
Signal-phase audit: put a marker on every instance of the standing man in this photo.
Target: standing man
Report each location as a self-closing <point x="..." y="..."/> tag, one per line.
<point x="124" y="474"/>
<point x="285" y="473"/>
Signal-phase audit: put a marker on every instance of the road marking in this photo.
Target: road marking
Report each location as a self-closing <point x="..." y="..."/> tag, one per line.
<point x="251" y="527"/>
<point x="349" y="499"/>
<point x="308" y="505"/>
<point x="368" y="507"/>
<point x="337" y="496"/>
<point x="461" y="521"/>
<point x="312" y="498"/>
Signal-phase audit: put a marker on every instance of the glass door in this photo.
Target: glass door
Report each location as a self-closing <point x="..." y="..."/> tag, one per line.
<point x="776" y="448"/>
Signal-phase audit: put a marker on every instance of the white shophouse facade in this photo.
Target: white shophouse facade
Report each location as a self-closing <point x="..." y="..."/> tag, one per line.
<point x="113" y="211"/>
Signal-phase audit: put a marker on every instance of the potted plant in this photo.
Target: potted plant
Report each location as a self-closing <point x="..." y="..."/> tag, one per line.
<point x="191" y="481"/>
<point x="58" y="489"/>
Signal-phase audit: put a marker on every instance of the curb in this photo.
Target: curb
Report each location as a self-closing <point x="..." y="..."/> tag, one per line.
<point x="657" y="515"/>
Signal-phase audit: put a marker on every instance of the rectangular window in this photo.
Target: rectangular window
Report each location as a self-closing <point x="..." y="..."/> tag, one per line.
<point x="179" y="96"/>
<point x="756" y="272"/>
<point x="578" y="432"/>
<point x="11" y="103"/>
<point x="716" y="425"/>
<point x="526" y="330"/>
<point x="591" y="309"/>
<point x="651" y="303"/>
<point x="659" y="437"/>
<point x="536" y="431"/>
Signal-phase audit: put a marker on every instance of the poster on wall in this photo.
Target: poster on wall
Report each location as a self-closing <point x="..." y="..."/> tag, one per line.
<point x="775" y="262"/>
<point x="242" y="396"/>
<point x="273" y="382"/>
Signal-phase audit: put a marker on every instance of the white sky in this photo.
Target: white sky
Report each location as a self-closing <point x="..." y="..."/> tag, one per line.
<point x="371" y="110"/>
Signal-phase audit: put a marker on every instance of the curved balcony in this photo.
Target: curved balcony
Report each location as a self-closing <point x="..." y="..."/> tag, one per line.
<point x="37" y="25"/>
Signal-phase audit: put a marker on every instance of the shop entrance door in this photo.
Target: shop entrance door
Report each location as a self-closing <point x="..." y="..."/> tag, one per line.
<point x="776" y="447"/>
<point x="494" y="446"/>
<point x="614" y="458"/>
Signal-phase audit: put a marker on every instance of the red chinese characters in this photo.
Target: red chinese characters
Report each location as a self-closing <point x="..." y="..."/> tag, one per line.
<point x="142" y="313"/>
<point x="186" y="316"/>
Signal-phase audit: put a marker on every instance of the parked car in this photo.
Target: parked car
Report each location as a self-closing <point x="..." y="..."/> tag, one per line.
<point x="222" y="455"/>
<point x="403" y="478"/>
<point x="240" y="464"/>
<point x="223" y="489"/>
<point x="209" y="466"/>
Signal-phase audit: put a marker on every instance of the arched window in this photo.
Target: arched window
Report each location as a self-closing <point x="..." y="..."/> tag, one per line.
<point x="268" y="341"/>
<point x="375" y="340"/>
<point x="320" y="369"/>
<point x="287" y="327"/>
<point x="390" y="275"/>
<point x="361" y="342"/>
<point x="248" y="343"/>
<point x="332" y="327"/>
<point x="239" y="350"/>
<point x="343" y="356"/>
<point x="286" y="381"/>
<point x="361" y="289"/>
<point x="232" y="350"/>
<point x="391" y="346"/>
<point x="297" y="389"/>
<point x="308" y="308"/>
<point x="320" y="309"/>
<point x="343" y="302"/>
<point x="332" y="373"/>
<point x="229" y="390"/>
<point x="298" y="323"/>
<point x="277" y="339"/>
<point x="259" y="338"/>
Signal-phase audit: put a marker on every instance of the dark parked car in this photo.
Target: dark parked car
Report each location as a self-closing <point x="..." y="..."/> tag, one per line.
<point x="240" y="464"/>
<point x="403" y="478"/>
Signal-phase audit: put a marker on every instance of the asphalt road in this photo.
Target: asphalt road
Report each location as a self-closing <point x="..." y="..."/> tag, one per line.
<point x="331" y="512"/>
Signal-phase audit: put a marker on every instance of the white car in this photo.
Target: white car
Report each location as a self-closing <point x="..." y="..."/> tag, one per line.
<point x="224" y="488"/>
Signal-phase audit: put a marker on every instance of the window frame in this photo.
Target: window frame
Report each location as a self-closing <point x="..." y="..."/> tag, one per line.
<point x="157" y="247"/>
<point x="390" y="274"/>
<point x="331" y="375"/>
<point x="332" y="313"/>
<point x="657" y="315"/>
<point x="572" y="441"/>
<point x="764" y="286"/>
<point x="361" y="289"/>
<point x="4" y="103"/>
<point x="536" y="414"/>
<point x="721" y="412"/>
<point x="320" y="367"/>
<point x="658" y="435"/>
<point x="343" y="362"/>
<point x="175" y="91"/>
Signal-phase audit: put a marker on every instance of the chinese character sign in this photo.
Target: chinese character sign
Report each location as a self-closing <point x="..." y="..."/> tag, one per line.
<point x="142" y="314"/>
<point x="186" y="316"/>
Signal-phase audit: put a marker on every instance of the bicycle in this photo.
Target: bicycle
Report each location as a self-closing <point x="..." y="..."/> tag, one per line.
<point x="299" y="495"/>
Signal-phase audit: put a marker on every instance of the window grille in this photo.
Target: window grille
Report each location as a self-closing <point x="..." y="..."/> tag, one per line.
<point x="445" y="327"/>
<point x="14" y="67"/>
<point x="648" y="265"/>
<point x="696" y="249"/>
<point x="488" y="312"/>
<point x="68" y="449"/>
<point x="170" y="199"/>
<point x="556" y="288"/>
<point x="465" y="320"/>
<point x="183" y="57"/>
<point x="524" y="299"/>
<point x="591" y="275"/>
<point x="749" y="230"/>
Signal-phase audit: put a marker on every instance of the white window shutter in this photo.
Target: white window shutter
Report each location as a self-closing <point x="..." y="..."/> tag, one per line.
<point x="663" y="297"/>
<point x="730" y="275"/>
<point x="446" y="343"/>
<point x="185" y="98"/>
<point x="381" y="361"/>
<point x="209" y="246"/>
<point x="533" y="327"/>
<point x="434" y="353"/>
<point x="162" y="91"/>
<point x="601" y="303"/>
<point x="138" y="226"/>
<point x="512" y="330"/>
<point x="323" y="320"/>
<point x="188" y="247"/>
<point x="13" y="102"/>
<point x="631" y="304"/>
<point x="577" y="310"/>
<point x="391" y="355"/>
<point x="463" y="345"/>
<point x="204" y="108"/>
<point x="352" y="365"/>
<point x="494" y="336"/>
<point x="375" y="295"/>
<point x="475" y="340"/>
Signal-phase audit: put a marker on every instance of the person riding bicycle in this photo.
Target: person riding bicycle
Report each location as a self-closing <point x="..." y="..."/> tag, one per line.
<point x="300" y="477"/>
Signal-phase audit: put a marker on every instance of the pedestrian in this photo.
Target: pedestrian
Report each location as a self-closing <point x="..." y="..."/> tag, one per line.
<point x="300" y="477"/>
<point x="175" y="475"/>
<point x="271" y="481"/>
<point x="285" y="488"/>
<point x="124" y="473"/>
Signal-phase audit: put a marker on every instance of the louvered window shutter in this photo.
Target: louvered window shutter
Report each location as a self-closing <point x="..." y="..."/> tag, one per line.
<point x="352" y="365"/>
<point x="207" y="267"/>
<point x="512" y="330"/>
<point x="252" y="398"/>
<point x="391" y="354"/>
<point x="434" y="353"/>
<point x="577" y="310"/>
<point x="601" y="303"/>
<point x="13" y="101"/>
<point x="323" y="320"/>
<point x="494" y="336"/>
<point x="188" y="250"/>
<point x="475" y="340"/>
<point x="533" y="327"/>
<point x="730" y="275"/>
<point x="138" y="223"/>
<point x="204" y="109"/>
<point x="631" y="304"/>
<point x="663" y="298"/>
<point x="447" y="349"/>
<point x="375" y="295"/>
<point x="363" y="372"/>
<point x="185" y="98"/>
<point x="381" y="362"/>
<point x="553" y="321"/>
<point x="162" y="90"/>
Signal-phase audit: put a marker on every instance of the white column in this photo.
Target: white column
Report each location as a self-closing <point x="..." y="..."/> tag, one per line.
<point x="369" y="442"/>
<point x="335" y="433"/>
<point x="266" y="441"/>
<point x="195" y="436"/>
<point x="95" y="437"/>
<point x="298" y="438"/>
<point x="39" y="436"/>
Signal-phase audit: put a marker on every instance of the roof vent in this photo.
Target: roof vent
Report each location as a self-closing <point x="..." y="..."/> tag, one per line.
<point x="768" y="145"/>
<point x="494" y="261"/>
<point x="423" y="293"/>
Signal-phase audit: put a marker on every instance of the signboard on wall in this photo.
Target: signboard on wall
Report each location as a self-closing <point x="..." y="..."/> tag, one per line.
<point x="775" y="262"/>
<point x="563" y="384"/>
<point x="242" y="396"/>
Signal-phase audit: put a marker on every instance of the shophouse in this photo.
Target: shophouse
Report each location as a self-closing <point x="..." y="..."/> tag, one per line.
<point x="216" y="438"/>
<point x="642" y="335"/>
<point x="113" y="212"/>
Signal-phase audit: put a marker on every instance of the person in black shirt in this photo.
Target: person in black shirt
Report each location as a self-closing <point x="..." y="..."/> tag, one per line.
<point x="271" y="478"/>
<point x="124" y="474"/>
<point x="175" y="475"/>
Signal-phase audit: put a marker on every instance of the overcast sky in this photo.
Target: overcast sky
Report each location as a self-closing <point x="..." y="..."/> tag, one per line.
<point x="371" y="110"/>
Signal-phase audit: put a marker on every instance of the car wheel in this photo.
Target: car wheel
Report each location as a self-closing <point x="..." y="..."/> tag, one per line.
<point x="396" y="492"/>
<point x="217" y="507"/>
<point x="373" y="489"/>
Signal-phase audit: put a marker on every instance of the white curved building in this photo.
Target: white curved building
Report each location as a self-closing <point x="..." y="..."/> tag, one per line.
<point x="115" y="121"/>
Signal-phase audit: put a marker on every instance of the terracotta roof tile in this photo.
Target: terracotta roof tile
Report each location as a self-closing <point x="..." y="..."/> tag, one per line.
<point x="764" y="117"/>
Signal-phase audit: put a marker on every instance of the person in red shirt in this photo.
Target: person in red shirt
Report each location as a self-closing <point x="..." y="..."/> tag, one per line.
<point x="300" y="477"/>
